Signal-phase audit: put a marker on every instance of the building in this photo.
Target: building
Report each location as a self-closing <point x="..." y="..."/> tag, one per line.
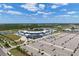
<point x="34" y="34"/>
<point x="72" y="30"/>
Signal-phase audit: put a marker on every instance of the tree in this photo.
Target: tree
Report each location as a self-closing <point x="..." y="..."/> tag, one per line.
<point x="72" y="28"/>
<point x="59" y="28"/>
<point x="42" y="53"/>
<point x="18" y="47"/>
<point x="7" y="44"/>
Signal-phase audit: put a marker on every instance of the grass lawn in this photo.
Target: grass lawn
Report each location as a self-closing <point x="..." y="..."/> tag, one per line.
<point x="13" y="43"/>
<point x="13" y="37"/>
<point x="1" y="36"/>
<point x="16" y="52"/>
<point x="1" y="42"/>
<point x="10" y="36"/>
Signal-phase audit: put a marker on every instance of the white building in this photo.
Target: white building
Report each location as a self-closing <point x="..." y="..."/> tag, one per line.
<point x="34" y="34"/>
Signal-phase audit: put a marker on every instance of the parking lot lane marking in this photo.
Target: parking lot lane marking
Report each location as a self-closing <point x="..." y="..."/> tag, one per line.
<point x="57" y="46"/>
<point x="38" y="50"/>
<point x="68" y="49"/>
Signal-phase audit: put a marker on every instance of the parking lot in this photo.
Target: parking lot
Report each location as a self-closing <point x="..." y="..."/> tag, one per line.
<point x="63" y="44"/>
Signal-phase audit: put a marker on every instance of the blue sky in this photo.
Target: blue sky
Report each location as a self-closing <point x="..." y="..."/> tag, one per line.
<point x="39" y="12"/>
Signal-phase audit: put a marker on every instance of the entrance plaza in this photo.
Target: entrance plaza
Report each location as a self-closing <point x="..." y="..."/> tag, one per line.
<point x="61" y="44"/>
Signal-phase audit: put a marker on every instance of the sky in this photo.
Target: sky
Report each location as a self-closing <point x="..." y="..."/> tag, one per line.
<point x="39" y="12"/>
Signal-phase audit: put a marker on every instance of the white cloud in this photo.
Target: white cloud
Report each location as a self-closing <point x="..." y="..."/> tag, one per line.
<point x="64" y="3"/>
<point x="13" y="12"/>
<point x="39" y="12"/>
<point x="6" y="6"/>
<point x="54" y="6"/>
<point x="63" y="9"/>
<point x="64" y="15"/>
<point x="41" y="6"/>
<point x="61" y="4"/>
<point x="30" y="6"/>
<point x="61" y="16"/>
<point x="44" y="13"/>
<point x="71" y="12"/>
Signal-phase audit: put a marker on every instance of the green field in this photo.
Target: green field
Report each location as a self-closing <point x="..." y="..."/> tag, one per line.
<point x="19" y="53"/>
<point x="8" y="39"/>
<point x="12" y="36"/>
